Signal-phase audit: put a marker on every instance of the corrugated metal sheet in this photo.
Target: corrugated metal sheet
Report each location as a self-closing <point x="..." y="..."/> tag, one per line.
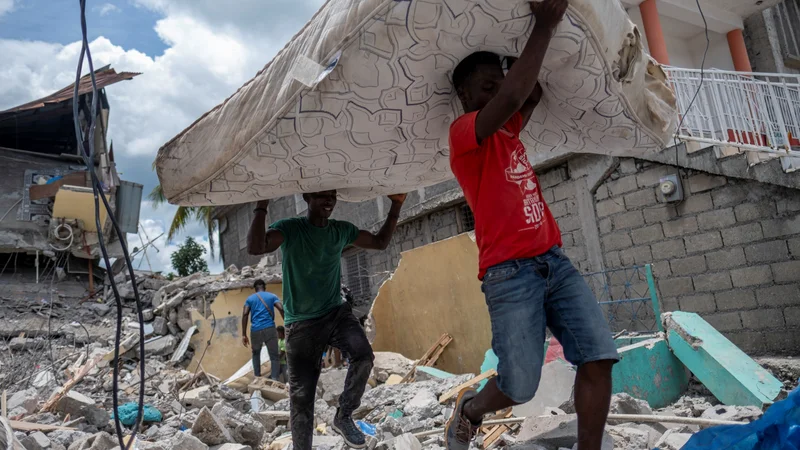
<point x="129" y="202"/>
<point x="104" y="77"/>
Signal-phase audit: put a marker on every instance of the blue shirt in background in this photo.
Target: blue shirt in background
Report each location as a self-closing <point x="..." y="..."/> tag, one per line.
<point x="259" y="315"/>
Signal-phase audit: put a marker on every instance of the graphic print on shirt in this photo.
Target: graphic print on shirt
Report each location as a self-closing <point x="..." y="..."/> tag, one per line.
<point x="521" y="172"/>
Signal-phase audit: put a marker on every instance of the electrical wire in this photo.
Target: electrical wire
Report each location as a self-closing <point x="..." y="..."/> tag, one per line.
<point x="702" y="72"/>
<point x="99" y="194"/>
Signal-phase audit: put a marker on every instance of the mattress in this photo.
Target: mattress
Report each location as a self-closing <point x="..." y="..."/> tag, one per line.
<point x="360" y="100"/>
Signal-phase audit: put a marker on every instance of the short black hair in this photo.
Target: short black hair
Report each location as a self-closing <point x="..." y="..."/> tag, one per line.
<point x="467" y="65"/>
<point x="259" y="283"/>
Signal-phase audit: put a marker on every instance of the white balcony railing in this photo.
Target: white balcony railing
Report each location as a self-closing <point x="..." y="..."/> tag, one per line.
<point x="753" y="111"/>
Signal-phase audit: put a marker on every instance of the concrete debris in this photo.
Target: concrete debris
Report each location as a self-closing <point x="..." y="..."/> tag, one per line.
<point x="185" y="441"/>
<point x="243" y="427"/>
<point x="425" y="404"/>
<point x="559" y="378"/>
<point x="23" y="402"/>
<point x="404" y="442"/>
<point x="75" y="404"/>
<point x="231" y="447"/>
<point x="36" y="441"/>
<point x="673" y="440"/>
<point x="629" y="438"/>
<point x="625" y="404"/>
<point x="332" y="383"/>
<point x="99" y="441"/>
<point x="209" y="429"/>
<point x="734" y="413"/>
<point x="390" y="363"/>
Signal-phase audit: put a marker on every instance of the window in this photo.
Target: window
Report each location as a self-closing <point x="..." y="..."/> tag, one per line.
<point x="787" y="18"/>
<point x="466" y="218"/>
<point x="355" y="274"/>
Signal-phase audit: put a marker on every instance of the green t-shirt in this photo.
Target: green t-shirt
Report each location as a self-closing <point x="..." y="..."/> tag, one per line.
<point x="312" y="272"/>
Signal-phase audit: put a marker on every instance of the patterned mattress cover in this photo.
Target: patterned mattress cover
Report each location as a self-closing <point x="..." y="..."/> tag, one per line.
<point x="360" y="100"/>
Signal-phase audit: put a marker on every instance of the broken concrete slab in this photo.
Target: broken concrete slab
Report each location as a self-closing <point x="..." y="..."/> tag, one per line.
<point x="243" y="428"/>
<point x="673" y="440"/>
<point x="332" y="383"/>
<point x="79" y="405"/>
<point x="36" y="441"/>
<point x="185" y="441"/>
<point x="555" y="388"/>
<point x="390" y="363"/>
<point x="629" y="438"/>
<point x="625" y="404"/>
<point x="199" y="397"/>
<point x="99" y="441"/>
<point x="160" y="326"/>
<point x="160" y="346"/>
<point x="732" y="376"/>
<point x="425" y="405"/>
<point x="425" y="373"/>
<point x="648" y="370"/>
<point x="230" y="446"/>
<point x="209" y="429"/>
<point x="66" y="437"/>
<point x="405" y="441"/>
<point x="734" y="413"/>
<point x="23" y="402"/>
<point x="554" y="432"/>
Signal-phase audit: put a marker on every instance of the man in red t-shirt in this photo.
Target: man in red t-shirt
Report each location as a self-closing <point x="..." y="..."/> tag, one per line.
<point x="529" y="283"/>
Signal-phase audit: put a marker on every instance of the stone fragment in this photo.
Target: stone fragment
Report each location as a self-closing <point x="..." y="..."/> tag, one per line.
<point x="243" y="428"/>
<point x="323" y="412"/>
<point x="23" y="402"/>
<point x="160" y="326"/>
<point x="66" y="437"/>
<point x="185" y="441"/>
<point x="425" y="405"/>
<point x="160" y="346"/>
<point x="556" y="383"/>
<point x="390" y="363"/>
<point x="79" y="405"/>
<point x="403" y="442"/>
<point x="230" y="446"/>
<point x="733" y="413"/>
<point x="101" y="309"/>
<point x="209" y="429"/>
<point x="332" y="383"/>
<point x="625" y="404"/>
<point x="629" y="438"/>
<point x="147" y="315"/>
<point x="200" y="397"/>
<point x="36" y="441"/>
<point x="672" y="440"/>
<point x="554" y="432"/>
<point x="99" y="441"/>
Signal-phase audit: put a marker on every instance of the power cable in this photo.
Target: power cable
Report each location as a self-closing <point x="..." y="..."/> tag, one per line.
<point x="99" y="194"/>
<point x="702" y="72"/>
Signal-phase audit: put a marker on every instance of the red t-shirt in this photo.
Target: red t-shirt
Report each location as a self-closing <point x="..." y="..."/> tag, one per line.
<point x="512" y="220"/>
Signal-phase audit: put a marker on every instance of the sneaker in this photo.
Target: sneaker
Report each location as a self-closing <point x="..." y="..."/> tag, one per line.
<point x="460" y="431"/>
<point x="349" y="431"/>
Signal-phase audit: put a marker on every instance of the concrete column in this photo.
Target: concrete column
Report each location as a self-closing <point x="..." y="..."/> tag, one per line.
<point x="741" y="62"/>
<point x="653" y="31"/>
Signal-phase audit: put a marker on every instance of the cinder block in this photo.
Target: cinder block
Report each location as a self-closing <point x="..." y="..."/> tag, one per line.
<point x="648" y="234"/>
<point x="732" y="376"/>
<point x="636" y="256"/>
<point x="729" y="196"/>
<point x="767" y="252"/>
<point x="788" y="205"/>
<point x="751" y="276"/>
<point x="649" y="371"/>
<point x="747" y="212"/>
<point x="759" y="319"/>
<point x="631" y="219"/>
<point x="673" y="287"/>
<point x="552" y="177"/>
<point x="602" y="193"/>
<point x="780" y="295"/>
<point x="696" y="203"/>
<point x="669" y="249"/>
<point x="712" y="282"/>
<point x="569" y="223"/>
<point x="786" y="272"/>
<point x="737" y="299"/>
<point x="612" y="260"/>
<point x="688" y="266"/>
<point x="794" y="247"/>
<point x="658" y="214"/>
<point x="781" y="227"/>
<point x="725" y="259"/>
<point x="728" y="321"/>
<point x="742" y="234"/>
<point x="639" y="199"/>
<point x="717" y="219"/>
<point x="564" y="191"/>
<point x="661" y="269"/>
<point x="651" y="177"/>
<point x="703" y="182"/>
<point x="605" y="226"/>
<point x="703" y="242"/>
<point x="699" y="303"/>
<point x="562" y="208"/>
<point x="627" y="166"/>
<point x="616" y="241"/>
<point x="680" y="227"/>
<point x="792" y="315"/>
<point x="608" y="207"/>
<point x="622" y="185"/>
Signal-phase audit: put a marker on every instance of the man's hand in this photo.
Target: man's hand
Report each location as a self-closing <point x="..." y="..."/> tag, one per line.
<point x="398" y="198"/>
<point x="262" y="204"/>
<point x="548" y="13"/>
<point x="245" y="341"/>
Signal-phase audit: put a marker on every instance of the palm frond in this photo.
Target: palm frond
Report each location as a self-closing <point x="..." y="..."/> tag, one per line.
<point x="157" y="196"/>
<point x="182" y="216"/>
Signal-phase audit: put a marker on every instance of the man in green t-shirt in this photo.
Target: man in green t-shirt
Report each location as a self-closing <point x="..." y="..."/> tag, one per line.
<point x="315" y="315"/>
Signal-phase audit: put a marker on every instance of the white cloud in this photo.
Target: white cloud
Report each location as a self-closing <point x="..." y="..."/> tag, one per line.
<point x="213" y="48"/>
<point x="6" y="6"/>
<point x="107" y="8"/>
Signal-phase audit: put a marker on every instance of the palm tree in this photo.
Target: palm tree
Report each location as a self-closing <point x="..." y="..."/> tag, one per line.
<point x="202" y="214"/>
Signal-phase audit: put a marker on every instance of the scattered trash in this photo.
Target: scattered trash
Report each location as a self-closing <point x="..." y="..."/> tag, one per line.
<point x="127" y="414"/>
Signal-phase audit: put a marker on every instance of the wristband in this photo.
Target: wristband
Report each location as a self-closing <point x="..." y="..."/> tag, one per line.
<point x="260" y="209"/>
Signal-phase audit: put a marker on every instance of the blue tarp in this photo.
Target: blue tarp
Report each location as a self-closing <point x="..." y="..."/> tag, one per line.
<point x="127" y="414"/>
<point x="777" y="429"/>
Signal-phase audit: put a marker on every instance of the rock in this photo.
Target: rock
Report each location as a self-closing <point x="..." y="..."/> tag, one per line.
<point x="403" y="425"/>
<point x="673" y="440"/>
<point x="36" y="441"/>
<point x="200" y="397"/>
<point x="734" y="413"/>
<point x="173" y="329"/>
<point x="185" y="441"/>
<point x="403" y="442"/>
<point x="20" y="343"/>
<point x="425" y="405"/>
<point x="230" y="446"/>
<point x="101" y="309"/>
<point x="99" y="441"/>
<point x="389" y="363"/>
<point x="42" y="379"/>
<point x="209" y="429"/>
<point x="76" y="405"/>
<point x="66" y="437"/>
<point x="323" y="412"/>
<point x="160" y="346"/>
<point x="332" y="383"/>
<point x="26" y="401"/>
<point x="327" y="442"/>
<point x="160" y="326"/>
<point x="244" y="428"/>
<point x="147" y="315"/>
<point x="629" y="438"/>
<point x="554" y="432"/>
<point x="555" y="388"/>
<point x="625" y="404"/>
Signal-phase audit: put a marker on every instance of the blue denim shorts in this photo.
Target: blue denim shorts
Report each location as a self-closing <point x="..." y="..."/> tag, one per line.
<point x="525" y="296"/>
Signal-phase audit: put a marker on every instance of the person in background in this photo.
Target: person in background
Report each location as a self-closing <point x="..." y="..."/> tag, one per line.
<point x="528" y="281"/>
<point x="260" y="307"/>
<point x="282" y="350"/>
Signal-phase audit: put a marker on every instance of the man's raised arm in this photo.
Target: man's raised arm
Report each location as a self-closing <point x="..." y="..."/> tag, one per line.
<point x="259" y="240"/>
<point x="381" y="240"/>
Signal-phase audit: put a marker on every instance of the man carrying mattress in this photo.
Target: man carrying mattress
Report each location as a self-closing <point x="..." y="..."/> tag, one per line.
<point x="315" y="315"/>
<point x="528" y="281"/>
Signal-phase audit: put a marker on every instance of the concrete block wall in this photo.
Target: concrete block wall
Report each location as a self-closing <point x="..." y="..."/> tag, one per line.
<point x="730" y="251"/>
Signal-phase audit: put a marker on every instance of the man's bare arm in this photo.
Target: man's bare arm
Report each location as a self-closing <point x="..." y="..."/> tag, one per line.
<point x="522" y="77"/>
<point x="532" y="100"/>
<point x="381" y="240"/>
<point x="245" y="317"/>
<point x="279" y="307"/>
<point x="259" y="240"/>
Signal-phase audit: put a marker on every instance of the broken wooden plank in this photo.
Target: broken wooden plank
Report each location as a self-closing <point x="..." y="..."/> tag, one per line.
<point x="453" y="392"/>
<point x="28" y="426"/>
<point x="5" y="404"/>
<point x="429" y="358"/>
<point x="85" y="369"/>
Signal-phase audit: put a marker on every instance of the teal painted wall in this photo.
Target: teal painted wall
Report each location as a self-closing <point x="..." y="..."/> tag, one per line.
<point x="649" y="371"/>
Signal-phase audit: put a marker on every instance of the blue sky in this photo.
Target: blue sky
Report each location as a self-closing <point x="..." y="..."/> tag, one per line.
<point x="192" y="55"/>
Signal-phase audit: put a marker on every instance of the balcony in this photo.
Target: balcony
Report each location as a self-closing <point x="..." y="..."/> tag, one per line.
<point x="757" y="113"/>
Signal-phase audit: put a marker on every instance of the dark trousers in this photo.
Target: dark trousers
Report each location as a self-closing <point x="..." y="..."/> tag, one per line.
<point x="268" y="337"/>
<point x="305" y="343"/>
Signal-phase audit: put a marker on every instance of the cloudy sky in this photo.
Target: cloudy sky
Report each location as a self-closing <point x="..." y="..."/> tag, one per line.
<point x="192" y="55"/>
